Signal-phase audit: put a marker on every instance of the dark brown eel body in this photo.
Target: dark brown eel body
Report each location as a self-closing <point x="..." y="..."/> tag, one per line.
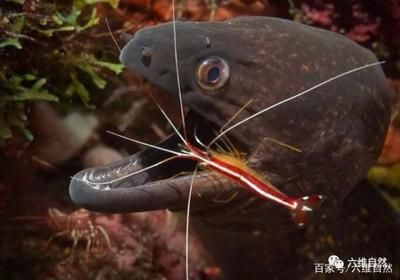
<point x="339" y="128"/>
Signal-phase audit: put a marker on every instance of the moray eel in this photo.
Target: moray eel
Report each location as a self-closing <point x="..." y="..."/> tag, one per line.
<point x="339" y="129"/>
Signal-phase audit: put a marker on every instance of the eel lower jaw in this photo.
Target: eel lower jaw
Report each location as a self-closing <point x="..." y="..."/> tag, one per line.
<point x="140" y="183"/>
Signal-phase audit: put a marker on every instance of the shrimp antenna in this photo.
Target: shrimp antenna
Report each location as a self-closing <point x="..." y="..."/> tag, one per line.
<point x="196" y="137"/>
<point x="169" y="121"/>
<point x="236" y="114"/>
<point x="309" y="90"/>
<point x="147" y="144"/>
<point x="111" y="34"/>
<point x="188" y="222"/>
<point x="178" y="79"/>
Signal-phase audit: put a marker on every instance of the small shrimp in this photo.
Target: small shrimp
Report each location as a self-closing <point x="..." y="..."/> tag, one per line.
<point x="235" y="170"/>
<point x="239" y="172"/>
<point x="78" y="226"/>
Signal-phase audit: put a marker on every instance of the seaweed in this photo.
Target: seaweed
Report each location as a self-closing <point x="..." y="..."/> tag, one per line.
<point x="49" y="52"/>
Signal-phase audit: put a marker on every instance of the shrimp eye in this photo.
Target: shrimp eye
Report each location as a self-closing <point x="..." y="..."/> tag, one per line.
<point x="212" y="73"/>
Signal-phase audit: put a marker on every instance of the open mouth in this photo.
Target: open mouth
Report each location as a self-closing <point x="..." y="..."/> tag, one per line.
<point x="153" y="179"/>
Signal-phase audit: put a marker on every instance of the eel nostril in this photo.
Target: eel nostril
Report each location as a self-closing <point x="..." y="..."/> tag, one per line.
<point x="147" y="52"/>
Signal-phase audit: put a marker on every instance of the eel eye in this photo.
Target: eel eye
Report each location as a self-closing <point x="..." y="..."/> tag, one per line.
<point x="212" y="73"/>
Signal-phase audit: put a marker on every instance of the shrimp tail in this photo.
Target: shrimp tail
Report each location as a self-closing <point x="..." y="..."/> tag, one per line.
<point x="304" y="207"/>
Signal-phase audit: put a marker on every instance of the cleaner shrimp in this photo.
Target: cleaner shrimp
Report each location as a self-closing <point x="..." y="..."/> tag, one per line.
<point x="227" y="164"/>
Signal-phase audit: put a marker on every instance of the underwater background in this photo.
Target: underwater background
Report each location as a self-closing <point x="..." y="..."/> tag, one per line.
<point x="62" y="86"/>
